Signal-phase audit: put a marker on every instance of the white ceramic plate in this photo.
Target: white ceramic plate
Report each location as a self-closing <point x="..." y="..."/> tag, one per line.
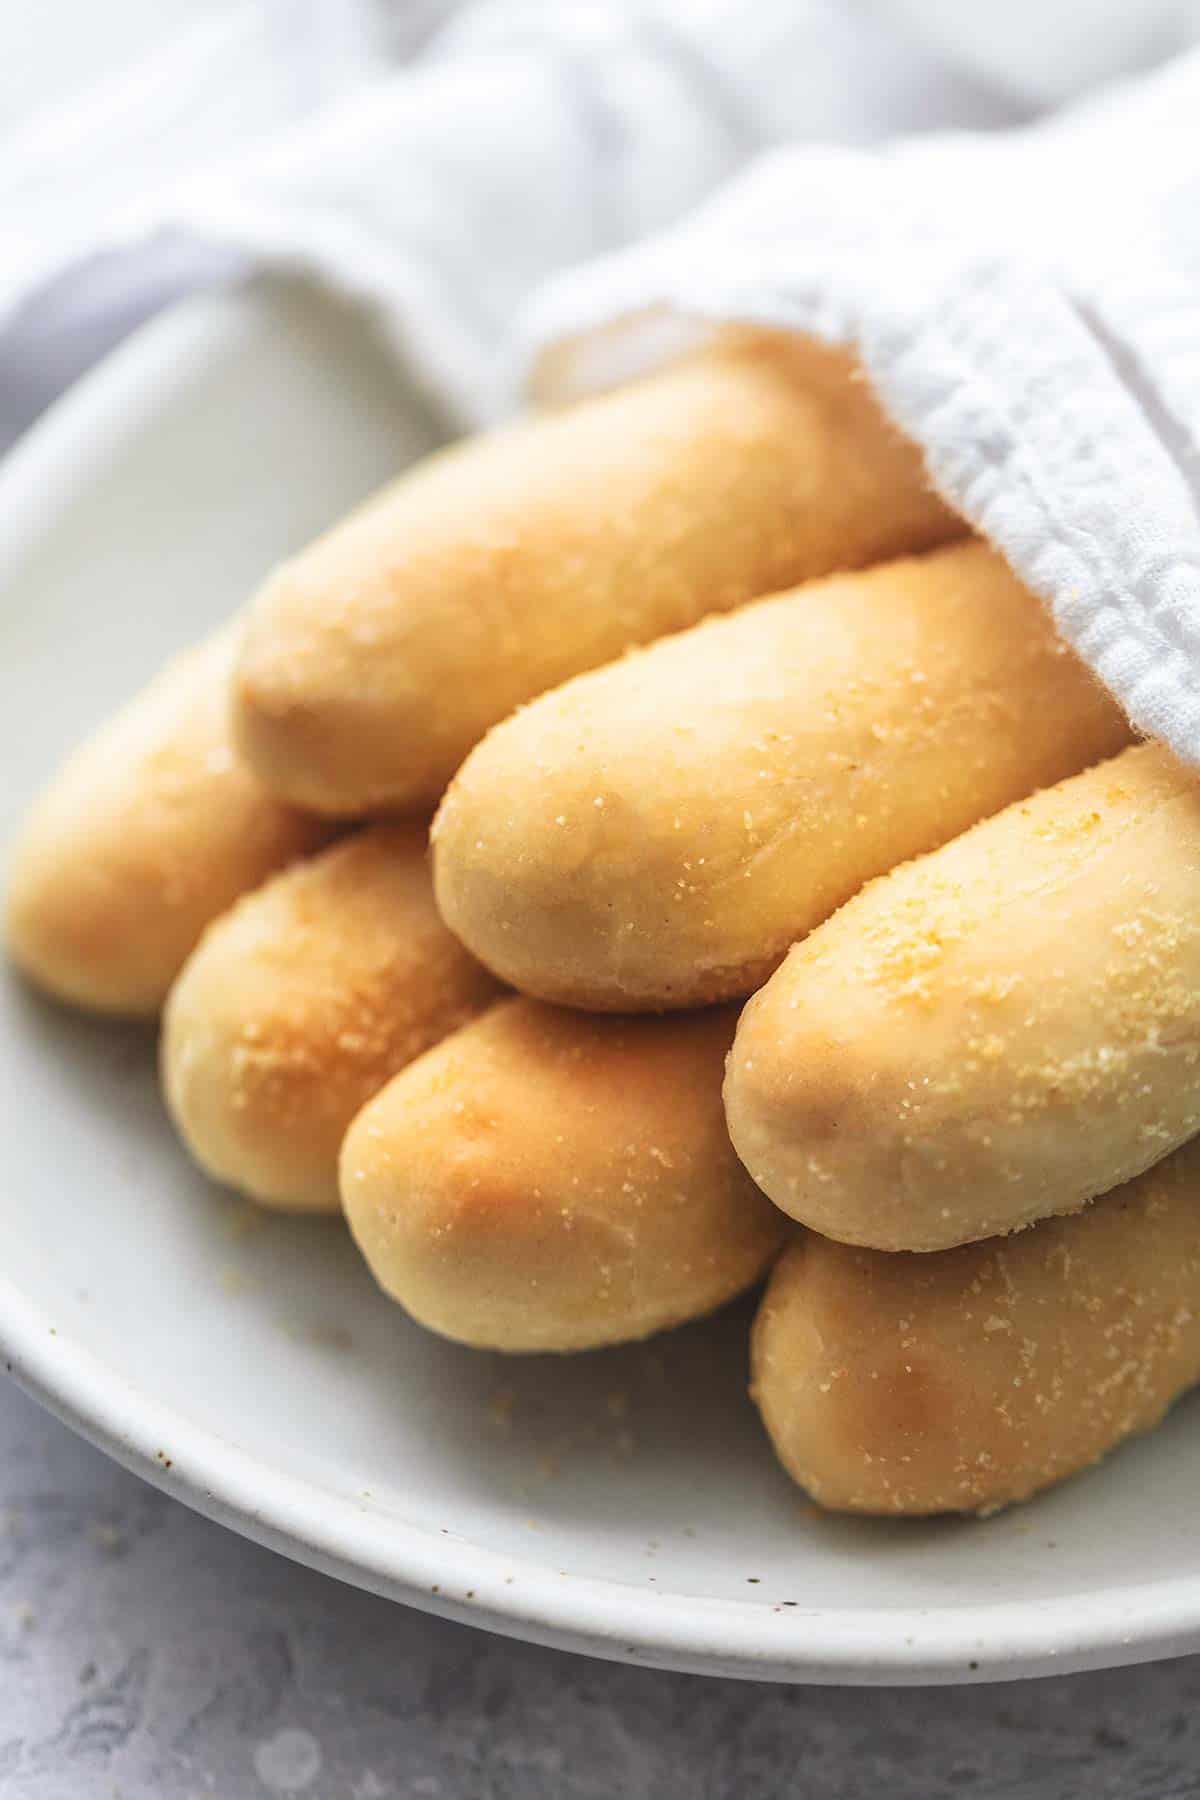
<point x="623" y="1503"/>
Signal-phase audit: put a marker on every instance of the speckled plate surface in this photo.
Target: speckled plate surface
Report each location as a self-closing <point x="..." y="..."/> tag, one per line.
<point x="623" y="1503"/>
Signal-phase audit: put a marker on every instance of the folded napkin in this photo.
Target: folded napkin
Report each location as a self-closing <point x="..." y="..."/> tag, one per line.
<point x="1027" y="303"/>
<point x="523" y="138"/>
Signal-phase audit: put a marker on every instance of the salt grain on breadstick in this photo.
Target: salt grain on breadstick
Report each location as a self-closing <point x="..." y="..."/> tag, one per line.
<point x="375" y="659"/>
<point x="547" y="1180"/>
<point x="149" y="831"/>
<point x="994" y="1033"/>
<point x="301" y="1003"/>
<point x="966" y="1380"/>
<point x="659" y="832"/>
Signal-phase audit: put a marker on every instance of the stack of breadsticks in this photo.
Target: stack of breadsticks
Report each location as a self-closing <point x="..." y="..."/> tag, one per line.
<point x="884" y="800"/>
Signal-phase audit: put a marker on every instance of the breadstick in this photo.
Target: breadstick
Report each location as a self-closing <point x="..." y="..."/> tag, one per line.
<point x="994" y="1033"/>
<point x="301" y="1003"/>
<point x="376" y="658"/>
<point x="658" y="833"/>
<point x="549" y="1181"/>
<point x="963" y="1381"/>
<point x="148" y="831"/>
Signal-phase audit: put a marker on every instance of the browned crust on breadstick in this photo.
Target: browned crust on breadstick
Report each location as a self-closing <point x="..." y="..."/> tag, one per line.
<point x="994" y="1033"/>
<point x="551" y="1181"/>
<point x="301" y="1003"/>
<point x="966" y="1380"/>
<point x="380" y="655"/>
<point x="148" y="832"/>
<point x="659" y="832"/>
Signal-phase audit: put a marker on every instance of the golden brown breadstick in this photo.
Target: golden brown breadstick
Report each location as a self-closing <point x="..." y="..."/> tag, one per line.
<point x="148" y="831"/>
<point x="376" y="659"/>
<point x="301" y="1003"/>
<point x="962" y="1381"/>
<point x="659" y="832"/>
<point x="994" y="1033"/>
<point x="550" y="1181"/>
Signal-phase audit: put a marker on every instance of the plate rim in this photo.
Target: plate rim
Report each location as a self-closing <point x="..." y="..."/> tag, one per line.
<point x="511" y="1595"/>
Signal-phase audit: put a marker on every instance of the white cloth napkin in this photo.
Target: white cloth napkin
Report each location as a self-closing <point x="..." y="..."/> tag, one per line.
<point x="1028" y="304"/>
<point x="527" y="136"/>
